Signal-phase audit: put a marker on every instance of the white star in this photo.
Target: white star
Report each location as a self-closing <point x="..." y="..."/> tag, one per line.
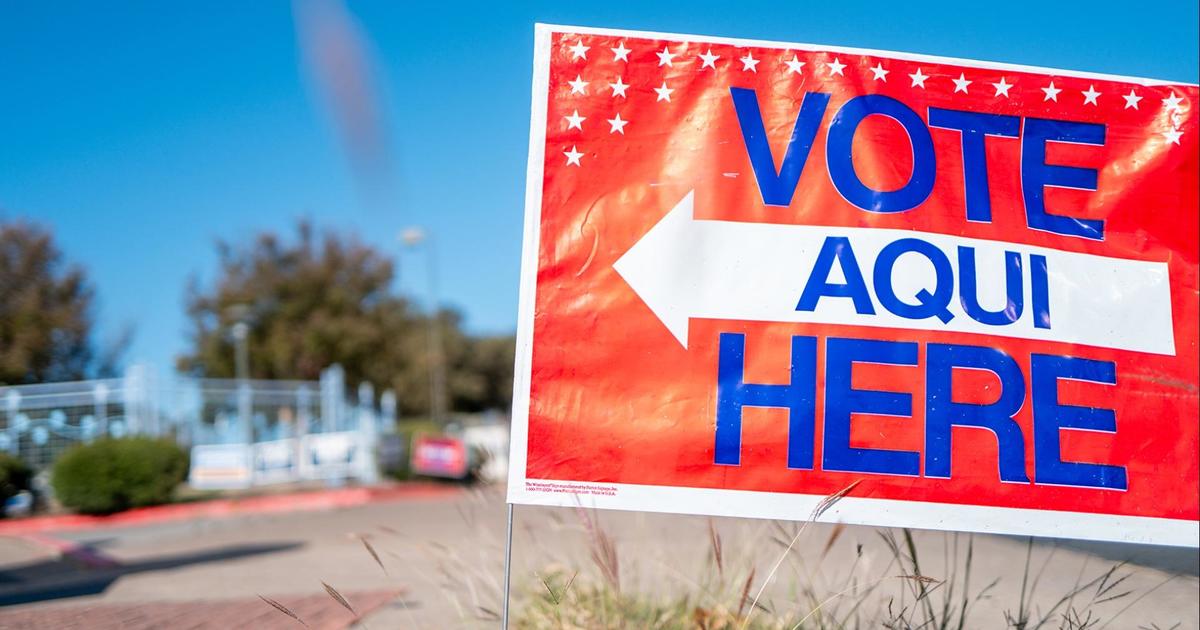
<point x="1172" y="135"/>
<point x="1131" y="99"/>
<point x="1090" y="95"/>
<point x="961" y="83"/>
<point x="578" y="86"/>
<point x="664" y="93"/>
<point x="836" y="67"/>
<point x="795" y="65"/>
<point x="709" y="60"/>
<point x="1172" y="103"/>
<point x="665" y="57"/>
<point x="620" y="53"/>
<point x="1002" y="87"/>
<point x="579" y="50"/>
<point x="575" y="121"/>
<point x="749" y="63"/>
<point x="1051" y="93"/>
<point x="918" y="79"/>
<point x="618" y="125"/>
<point x="573" y="156"/>
<point x="618" y="88"/>
<point x="879" y="72"/>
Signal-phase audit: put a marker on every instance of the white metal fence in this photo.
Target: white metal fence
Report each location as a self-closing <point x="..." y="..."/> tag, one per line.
<point x="39" y="422"/>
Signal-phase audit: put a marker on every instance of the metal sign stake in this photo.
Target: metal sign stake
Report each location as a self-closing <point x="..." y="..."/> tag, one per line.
<point x="507" y="566"/>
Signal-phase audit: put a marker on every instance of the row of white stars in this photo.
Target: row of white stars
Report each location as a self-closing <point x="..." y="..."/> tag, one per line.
<point x="579" y="86"/>
<point x="879" y="73"/>
<point x="836" y="67"/>
<point x="1172" y="103"/>
<point x="575" y="121"/>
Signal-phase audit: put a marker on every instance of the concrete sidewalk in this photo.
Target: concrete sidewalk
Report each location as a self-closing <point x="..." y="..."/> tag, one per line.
<point x="445" y="555"/>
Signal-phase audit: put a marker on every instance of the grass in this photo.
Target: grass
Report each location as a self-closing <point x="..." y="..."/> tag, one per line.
<point x="565" y="602"/>
<point x="911" y="599"/>
<point x="773" y="575"/>
<point x="903" y="594"/>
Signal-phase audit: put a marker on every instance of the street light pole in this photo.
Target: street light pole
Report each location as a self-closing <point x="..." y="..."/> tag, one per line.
<point x="413" y="237"/>
<point x="241" y="330"/>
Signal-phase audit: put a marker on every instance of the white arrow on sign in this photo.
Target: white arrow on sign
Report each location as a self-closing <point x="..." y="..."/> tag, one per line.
<point x="684" y="268"/>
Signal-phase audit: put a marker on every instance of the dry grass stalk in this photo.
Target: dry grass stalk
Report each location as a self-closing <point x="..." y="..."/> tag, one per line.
<point x="371" y="550"/>
<point x="923" y="579"/>
<point x="283" y="609"/>
<point x="831" y="500"/>
<point x="603" y="550"/>
<point x="714" y="538"/>
<point x="557" y="598"/>
<point x="553" y="595"/>
<point x="1139" y="598"/>
<point x="339" y="599"/>
<point x="745" y="594"/>
<point x="823" y="506"/>
<point x="571" y="581"/>
<point x="604" y="554"/>
<point x="833" y="537"/>
<point x="853" y="588"/>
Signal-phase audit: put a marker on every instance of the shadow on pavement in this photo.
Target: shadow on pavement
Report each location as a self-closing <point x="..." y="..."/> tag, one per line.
<point x="1180" y="560"/>
<point x="63" y="578"/>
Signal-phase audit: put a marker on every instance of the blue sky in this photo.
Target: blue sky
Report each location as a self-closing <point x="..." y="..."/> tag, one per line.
<point x="142" y="132"/>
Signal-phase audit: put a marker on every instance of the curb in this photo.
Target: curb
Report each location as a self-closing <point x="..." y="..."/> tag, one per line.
<point x="307" y="501"/>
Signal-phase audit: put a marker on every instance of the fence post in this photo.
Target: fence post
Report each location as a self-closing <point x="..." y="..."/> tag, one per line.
<point x="387" y="410"/>
<point x="150" y="402"/>
<point x="191" y="410"/>
<point x="245" y="421"/>
<point x="369" y="470"/>
<point x="131" y="393"/>
<point x="303" y="410"/>
<point x="100" y="413"/>
<point x="366" y="395"/>
<point x="141" y="414"/>
<point x="12" y="404"/>
<point x="303" y="422"/>
<point x="333" y="397"/>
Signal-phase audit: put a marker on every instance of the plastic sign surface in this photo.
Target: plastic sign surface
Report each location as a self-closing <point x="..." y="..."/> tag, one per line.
<point x="220" y="467"/>
<point x="757" y="273"/>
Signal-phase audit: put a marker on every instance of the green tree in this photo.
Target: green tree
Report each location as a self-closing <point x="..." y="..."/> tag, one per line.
<point x="45" y="311"/>
<point x="326" y="298"/>
<point x="487" y="369"/>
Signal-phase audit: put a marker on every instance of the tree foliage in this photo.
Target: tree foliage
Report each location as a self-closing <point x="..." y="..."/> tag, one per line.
<point x="15" y="476"/>
<point x="324" y="298"/>
<point x="45" y="311"/>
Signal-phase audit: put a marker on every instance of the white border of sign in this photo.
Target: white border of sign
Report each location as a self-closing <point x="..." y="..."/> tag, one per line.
<point x="851" y="510"/>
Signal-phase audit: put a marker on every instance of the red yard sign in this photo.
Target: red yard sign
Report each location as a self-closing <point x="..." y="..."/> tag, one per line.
<point x="439" y="456"/>
<point x="757" y="273"/>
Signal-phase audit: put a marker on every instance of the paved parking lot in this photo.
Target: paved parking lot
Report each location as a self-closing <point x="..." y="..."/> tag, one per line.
<point x="442" y="558"/>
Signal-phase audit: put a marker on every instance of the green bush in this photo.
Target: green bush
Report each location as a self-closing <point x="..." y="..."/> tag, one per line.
<point x="14" y="477"/>
<point x="111" y="475"/>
